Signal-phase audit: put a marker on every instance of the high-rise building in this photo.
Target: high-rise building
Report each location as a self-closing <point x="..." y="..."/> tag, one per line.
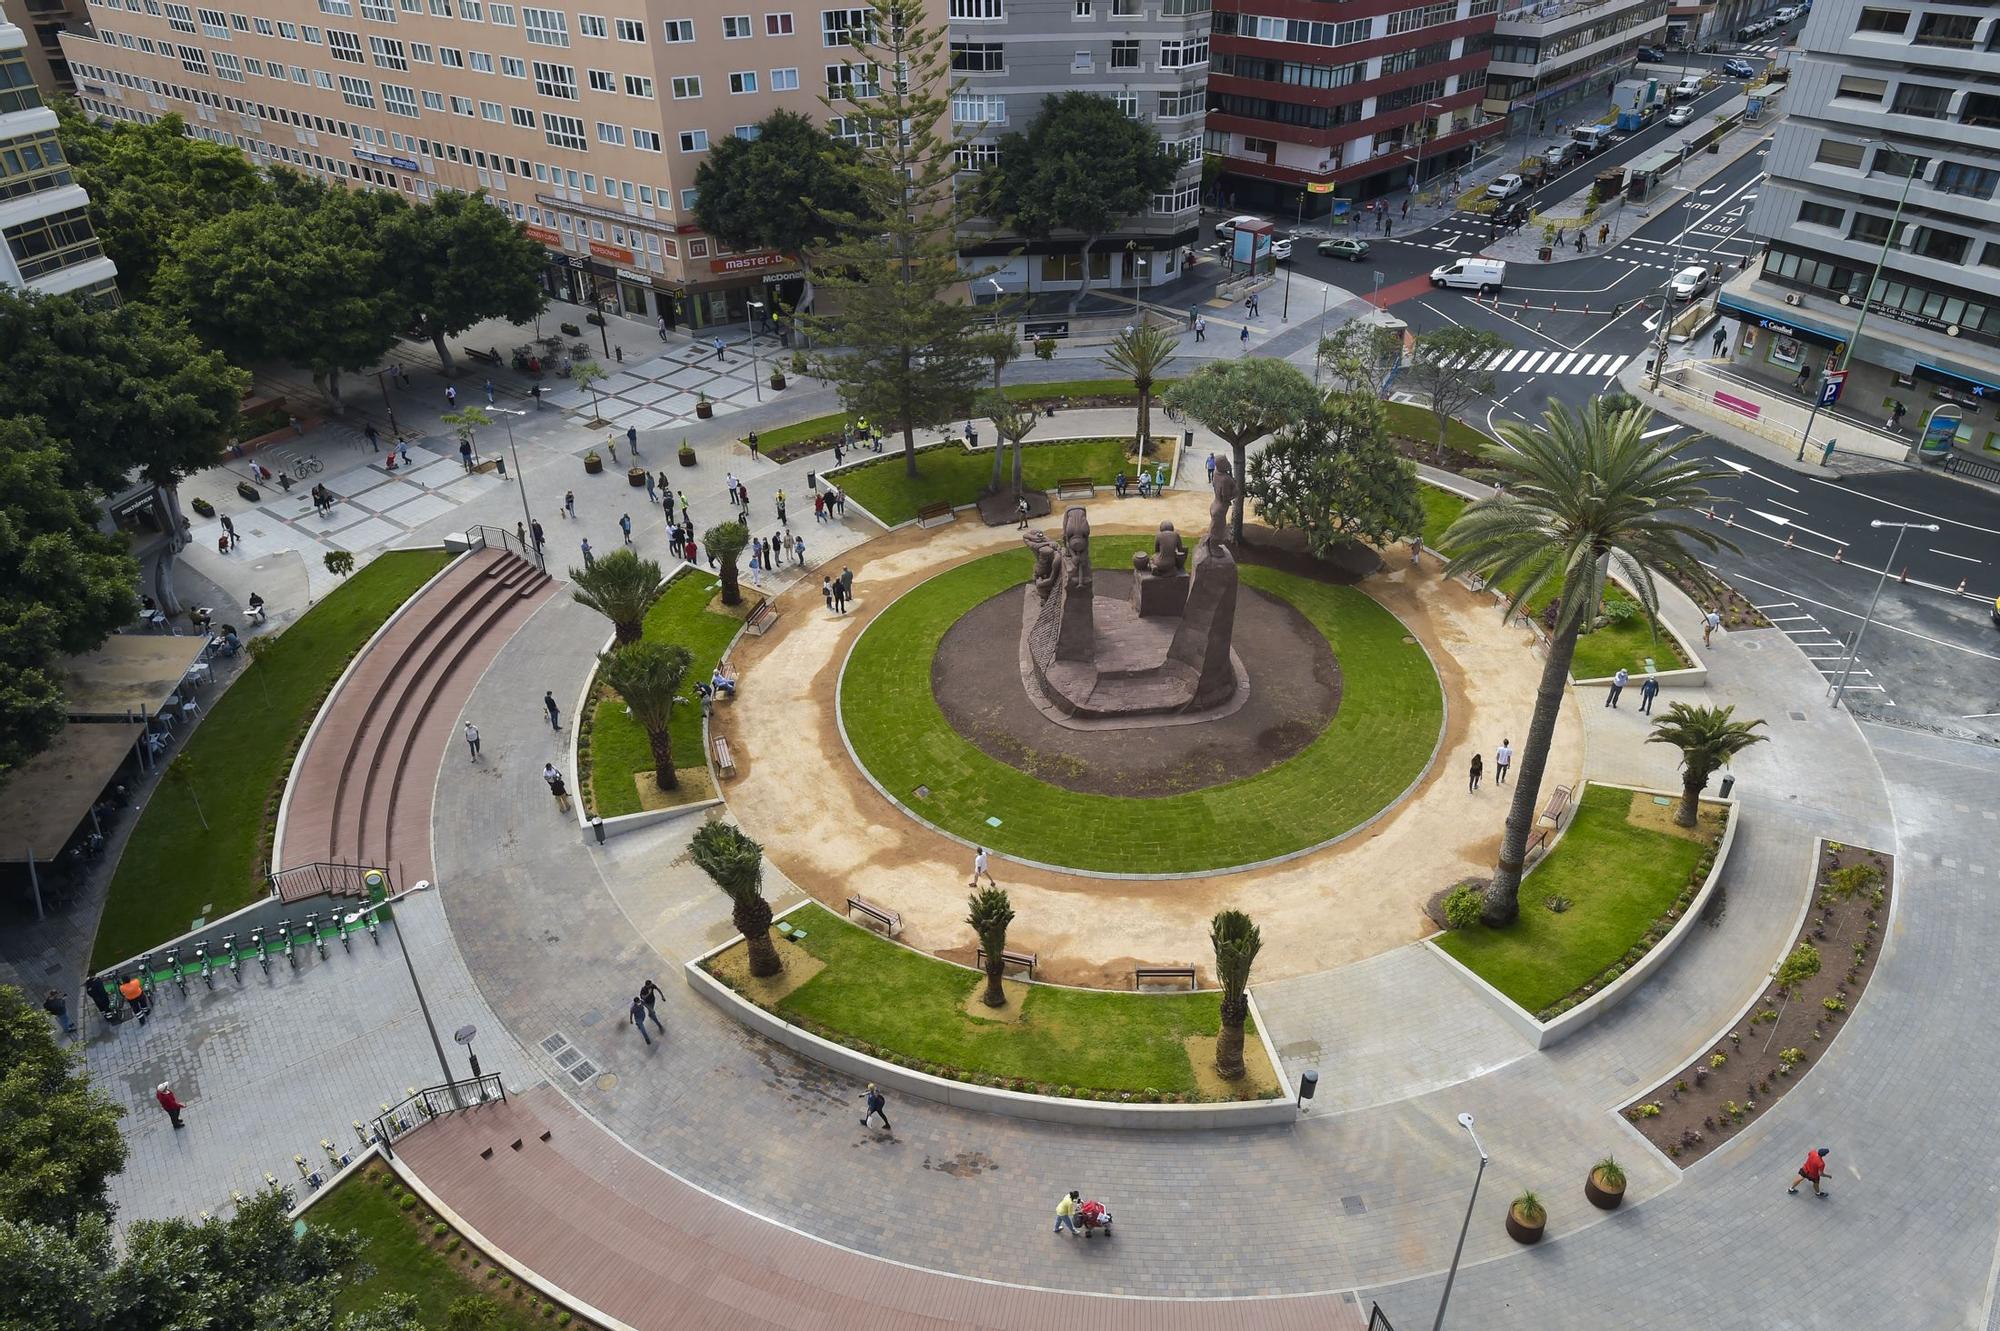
<point x="1889" y="159"/>
<point x="1551" y="55"/>
<point x="1357" y="99"/>
<point x="1151" y="56"/>
<point x="588" y="127"/>
<point x="46" y="21"/>
<point x="44" y="214"/>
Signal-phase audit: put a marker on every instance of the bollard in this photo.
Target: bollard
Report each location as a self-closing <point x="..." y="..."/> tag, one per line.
<point x="1308" y="1085"/>
<point x="597" y="826"/>
<point x="500" y="463"/>
<point x="1728" y="784"/>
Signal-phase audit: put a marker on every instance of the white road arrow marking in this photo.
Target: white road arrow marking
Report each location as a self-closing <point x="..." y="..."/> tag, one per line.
<point x="1778" y="519"/>
<point x="1742" y="470"/>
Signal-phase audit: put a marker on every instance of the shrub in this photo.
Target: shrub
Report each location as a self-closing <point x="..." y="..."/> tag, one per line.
<point x="453" y="1244"/>
<point x="1612" y="1174"/>
<point x="202" y="506"/>
<point x="1530" y="1208"/>
<point x="1045" y="348"/>
<point x="1833" y="1004"/>
<point x="407" y="1201"/>
<point x="1790" y="1058"/>
<point x="440" y="1229"/>
<point x="1556" y="903"/>
<point x="1844" y="883"/>
<point x="1796" y="969"/>
<point x="1717" y="1059"/>
<point x="1462" y="906"/>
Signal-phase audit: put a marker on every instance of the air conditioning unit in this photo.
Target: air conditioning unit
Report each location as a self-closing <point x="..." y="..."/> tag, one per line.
<point x="1793" y="298"/>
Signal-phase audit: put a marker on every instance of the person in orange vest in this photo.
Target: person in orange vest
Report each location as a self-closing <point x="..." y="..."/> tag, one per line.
<point x="134" y="994"/>
<point x="1812" y="1169"/>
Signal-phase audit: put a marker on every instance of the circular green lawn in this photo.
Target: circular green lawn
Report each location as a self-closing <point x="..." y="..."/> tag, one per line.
<point x="1380" y="741"/>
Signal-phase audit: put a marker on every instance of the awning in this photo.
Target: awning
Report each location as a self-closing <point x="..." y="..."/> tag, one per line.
<point x="50" y="795"/>
<point x="132" y="675"/>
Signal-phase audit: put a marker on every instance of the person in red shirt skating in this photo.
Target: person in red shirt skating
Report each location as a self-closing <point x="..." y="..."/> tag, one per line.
<point x="1812" y="1169"/>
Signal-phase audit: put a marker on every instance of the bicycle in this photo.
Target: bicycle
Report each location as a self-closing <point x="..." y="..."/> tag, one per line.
<point x="207" y="971"/>
<point x="285" y="936"/>
<point x="235" y="959"/>
<point x="174" y="965"/>
<point x="257" y="946"/>
<point x="345" y="928"/>
<point x="306" y="466"/>
<point x="312" y="932"/>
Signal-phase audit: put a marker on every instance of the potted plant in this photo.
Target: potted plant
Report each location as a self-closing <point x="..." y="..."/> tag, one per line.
<point x="572" y="330"/>
<point x="799" y="363"/>
<point x="592" y="463"/>
<point x="248" y="491"/>
<point x="702" y="406"/>
<point x="202" y="506"/>
<point x="1605" y="1184"/>
<point x="635" y="476"/>
<point x="777" y="380"/>
<point x="687" y="454"/>
<point x="1526" y="1219"/>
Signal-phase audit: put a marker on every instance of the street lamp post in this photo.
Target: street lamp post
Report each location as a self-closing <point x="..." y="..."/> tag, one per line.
<point x="443" y="1064"/>
<point x="1464" y="1121"/>
<point x="521" y="482"/>
<point x="1422" y="139"/>
<point x="1853" y="652"/>
<point x="1325" y="291"/>
<point x="395" y="430"/>
<point x="1843" y="354"/>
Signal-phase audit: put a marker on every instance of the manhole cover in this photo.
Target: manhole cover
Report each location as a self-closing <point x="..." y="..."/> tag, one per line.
<point x="607" y="1082"/>
<point x="1796" y="716"/>
<point x="1353" y="1206"/>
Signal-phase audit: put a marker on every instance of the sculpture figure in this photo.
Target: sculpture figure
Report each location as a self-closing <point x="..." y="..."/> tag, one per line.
<point x="1048" y="561"/>
<point x="1076" y="548"/>
<point x="1169" y="554"/>
<point x="1218" y="507"/>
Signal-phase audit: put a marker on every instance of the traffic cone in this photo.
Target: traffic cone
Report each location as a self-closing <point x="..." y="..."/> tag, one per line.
<point x="1788" y="540"/>
<point x="1961" y="587"/>
<point x="1904" y="576"/>
<point x="1839" y="554"/>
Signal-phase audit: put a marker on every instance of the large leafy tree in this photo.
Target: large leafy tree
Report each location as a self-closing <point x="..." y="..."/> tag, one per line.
<point x="900" y="347"/>
<point x="1083" y="166"/>
<point x="64" y="586"/>
<point x="736" y="863"/>
<point x="989" y="912"/>
<point x="120" y="389"/>
<point x="1241" y="401"/>
<point x="59" y="1141"/>
<point x="1236" y="942"/>
<point x="1446" y="366"/>
<point x="781" y="190"/>
<point x="454" y="260"/>
<point x="1013" y="422"/>
<point x="303" y="279"/>
<point x="620" y="586"/>
<point x="150" y="182"/>
<point x="1584" y="491"/>
<point x="1707" y="737"/>
<point x="1138" y="353"/>
<point x="648" y="676"/>
<point x="1359" y="355"/>
<point x="1335" y="476"/>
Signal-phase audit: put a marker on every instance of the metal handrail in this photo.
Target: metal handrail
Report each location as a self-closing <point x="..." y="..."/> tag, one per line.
<point x="481" y="537"/>
<point x="420" y="1107"/>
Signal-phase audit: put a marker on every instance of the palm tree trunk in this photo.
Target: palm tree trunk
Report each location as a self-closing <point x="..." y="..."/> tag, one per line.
<point x="1229" y="1039"/>
<point x="731" y="592"/>
<point x="752" y="918"/>
<point x="663" y="758"/>
<point x="1503" y="898"/>
<point x="1692" y="784"/>
<point x="1145" y="422"/>
<point x="1240" y="452"/>
<point x="629" y="632"/>
<point x="909" y="451"/>
<point x="996" y="993"/>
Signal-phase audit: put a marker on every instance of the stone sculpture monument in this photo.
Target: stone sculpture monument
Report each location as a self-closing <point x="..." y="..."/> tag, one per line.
<point x="1164" y="650"/>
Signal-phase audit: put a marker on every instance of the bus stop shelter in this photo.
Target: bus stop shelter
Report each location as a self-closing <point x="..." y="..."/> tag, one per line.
<point x="53" y="794"/>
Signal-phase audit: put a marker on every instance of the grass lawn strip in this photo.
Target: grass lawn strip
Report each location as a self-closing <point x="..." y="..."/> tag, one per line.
<point x="1377" y="744"/>
<point x="1620" y="879"/>
<point x="824" y="429"/>
<point x="893" y="1002"/>
<point x="407" y="1259"/>
<point x="952" y="475"/>
<point x="173" y="870"/>
<point x="1624" y="642"/>
<point x="615" y="746"/>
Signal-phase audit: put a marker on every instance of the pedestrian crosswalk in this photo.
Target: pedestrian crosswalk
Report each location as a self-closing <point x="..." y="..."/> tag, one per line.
<point x="1582" y="363"/>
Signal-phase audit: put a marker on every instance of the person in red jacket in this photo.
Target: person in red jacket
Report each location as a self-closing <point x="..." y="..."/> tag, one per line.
<point x="1812" y="1169"/>
<point x="168" y="1101"/>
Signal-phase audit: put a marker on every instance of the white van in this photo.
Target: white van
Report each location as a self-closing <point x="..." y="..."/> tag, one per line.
<point x="1590" y="140"/>
<point x="1483" y="275"/>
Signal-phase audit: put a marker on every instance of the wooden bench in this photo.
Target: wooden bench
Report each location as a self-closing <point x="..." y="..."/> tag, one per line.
<point x="1551" y="816"/>
<point x="762" y="616"/>
<point x="1082" y="485"/>
<point x="891" y="921"/>
<point x="725" y="762"/>
<point x="1141" y="975"/>
<point x="490" y="357"/>
<point x="1008" y="957"/>
<point x="938" y="512"/>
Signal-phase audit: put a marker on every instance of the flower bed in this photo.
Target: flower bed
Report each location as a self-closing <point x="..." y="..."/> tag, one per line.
<point x="1814" y="986"/>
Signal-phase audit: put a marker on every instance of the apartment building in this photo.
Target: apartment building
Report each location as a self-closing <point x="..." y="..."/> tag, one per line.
<point x="45" y="22"/>
<point x="587" y="127"/>
<point x="44" y="214"/>
<point x="1889" y="156"/>
<point x="1307" y="103"/>
<point x="1151" y="56"/>
<point x="1553" y="55"/>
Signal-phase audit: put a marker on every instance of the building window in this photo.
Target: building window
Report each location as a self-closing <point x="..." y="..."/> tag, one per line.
<point x="743" y="81"/>
<point x="1125" y="54"/>
<point x="1086" y="8"/>
<point x="1184" y="54"/>
<point x="977" y="156"/>
<point x="451" y="57"/>
<point x="748" y="133"/>
<point x="976" y="11"/>
<point x="494" y="112"/>
<point x="647" y="139"/>
<point x="777" y="25"/>
<point x="344" y="46"/>
<point x="480" y="61"/>
<point x="687" y="87"/>
<point x="564" y="132"/>
<point x="614" y="134"/>
<point x="545" y="27"/>
<point x="735" y="27"/>
<point x="513" y="67"/>
<point x="1959" y="178"/>
<point x="1174" y="105"/>
<point x="215" y="23"/>
<point x="433" y="101"/>
<point x="555" y="80"/>
<point x="1940" y="29"/>
<point x="1921" y="99"/>
<point x="1181" y="200"/>
<point x="1424" y="16"/>
<point x="47" y="244"/>
<point x="638" y="85"/>
<point x="855" y="130"/>
<point x="1127" y="104"/>
<point x="678" y="30"/>
<point x="631" y="30"/>
<point x="1833" y="152"/>
<point x="194" y="61"/>
<point x="837" y="27"/>
<point x="978" y="57"/>
<point x="399" y="101"/>
<point x="694" y="140"/>
<point x="388" y="53"/>
<point x="978" y="109"/>
<point x="1869" y="228"/>
<point x="851" y="81"/>
<point x="1944" y="246"/>
<point x="1264" y="148"/>
<point x="592" y="25"/>
<point x="1820" y="214"/>
<point x="357" y="92"/>
<point x="1861" y="90"/>
<point x="784" y="80"/>
<point x="462" y="106"/>
<point x="522" y="117"/>
<point x="227" y="67"/>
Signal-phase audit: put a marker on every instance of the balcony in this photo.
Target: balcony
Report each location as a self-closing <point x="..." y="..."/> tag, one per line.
<point x="1550" y="18"/>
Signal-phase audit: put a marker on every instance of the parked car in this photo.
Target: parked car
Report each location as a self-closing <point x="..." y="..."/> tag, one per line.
<point x="1680" y="115"/>
<point x="1652" y="55"/>
<point x="1689" y="283"/>
<point x="1559" y="155"/>
<point x="1787" y="13"/>
<point x="1686" y="90"/>
<point x="1506" y="187"/>
<point x="1739" y="69"/>
<point x="1344" y="247"/>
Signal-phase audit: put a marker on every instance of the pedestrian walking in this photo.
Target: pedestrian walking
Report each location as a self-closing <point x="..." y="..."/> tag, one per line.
<point x="1194" y="312"/>
<point x="839" y="501"/>
<point x="1021" y="511"/>
<point x="451" y="395"/>
<point x="1243" y="337"/>
<point x="783" y="521"/>
<point x="556" y="787"/>
<point x="756" y="565"/>
<point x="403" y="451"/>
<point x="549" y="704"/>
<point x="819" y="507"/>
<point x="1603" y="232"/>
<point x="649" y="994"/>
<point x="1721" y="339"/>
<point x="374" y="437"/>
<point x="589" y="557"/>
<point x="465" y="453"/>
<point x="489" y="392"/>
<point x="1201" y="330"/>
<point x="826" y="590"/>
<point x="1810" y="1172"/>
<point x="1561" y="231"/>
<point x="876" y="1104"/>
<point x="846" y="581"/>
<point x="637" y="1014"/>
<point x="1649" y="689"/>
<point x="1211" y="471"/>
<point x="1896" y="413"/>
<point x="1710" y="622"/>
<point x="839" y="597"/>
<point x="1478" y="770"/>
<point x="535" y="392"/>
<point x="719" y="354"/>
<point x="1503" y="758"/>
<point x="164" y="1093"/>
<point x="692" y="552"/>
<point x="799" y="549"/>
<point x="136" y="1000"/>
<point x="402" y="375"/>
<point x="99" y="996"/>
<point x="1618" y="683"/>
<point x="611" y="444"/>
<point x="1252" y="302"/>
<point x="1406" y="209"/>
<point x="1581" y="236"/>
<point x="980" y="869"/>
<point x="229" y="529"/>
<point x="1066" y="1213"/>
<point x="472" y="739"/>
<point x="58" y="1007"/>
<point x="652" y="491"/>
<point x="298" y="427"/>
<point x="625" y="526"/>
<point x="632" y="439"/>
<point x="660" y="325"/>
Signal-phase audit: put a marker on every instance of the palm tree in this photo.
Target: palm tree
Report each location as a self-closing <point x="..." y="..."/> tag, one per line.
<point x="1138" y="354"/>
<point x="725" y="541"/>
<point x="1584" y="489"/>
<point x="989" y="912"/>
<point x="620" y="586"/>
<point x="648" y="675"/>
<point x="181" y="771"/>
<point x="736" y="863"/>
<point x="1013" y="422"/>
<point x="1236" y="943"/>
<point x="1707" y="737"/>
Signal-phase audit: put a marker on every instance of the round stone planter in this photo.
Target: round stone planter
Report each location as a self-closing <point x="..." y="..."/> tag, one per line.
<point x="1521" y="1231"/>
<point x="687" y="457"/>
<point x="592" y="464"/>
<point x="635" y="476"/>
<point x="1603" y="1197"/>
<point x="704" y="409"/>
